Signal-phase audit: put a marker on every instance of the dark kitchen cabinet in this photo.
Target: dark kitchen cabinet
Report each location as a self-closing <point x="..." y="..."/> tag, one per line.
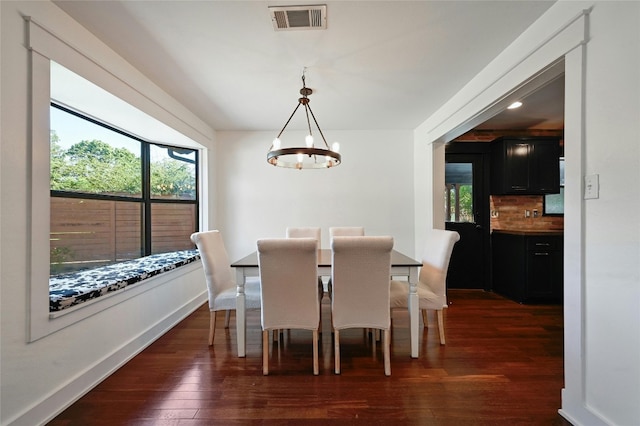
<point x="528" y="266"/>
<point x="526" y="166"/>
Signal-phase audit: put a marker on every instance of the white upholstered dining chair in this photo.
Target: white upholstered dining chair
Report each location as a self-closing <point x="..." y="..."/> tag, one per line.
<point x="304" y="232"/>
<point x="290" y="296"/>
<point x="361" y="267"/>
<point x="346" y="231"/>
<point x="432" y="283"/>
<point x="220" y="280"/>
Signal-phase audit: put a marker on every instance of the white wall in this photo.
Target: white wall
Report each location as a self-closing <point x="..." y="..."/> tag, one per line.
<point x="255" y="200"/>
<point x="43" y="376"/>
<point x="612" y="223"/>
<point x="602" y="236"/>
<point x="373" y="187"/>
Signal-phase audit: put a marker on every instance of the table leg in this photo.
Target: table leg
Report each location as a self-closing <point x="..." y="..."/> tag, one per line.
<point x="241" y="319"/>
<point x="414" y="311"/>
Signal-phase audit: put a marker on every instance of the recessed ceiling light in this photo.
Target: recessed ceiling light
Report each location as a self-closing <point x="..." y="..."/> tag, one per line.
<point x="516" y="104"/>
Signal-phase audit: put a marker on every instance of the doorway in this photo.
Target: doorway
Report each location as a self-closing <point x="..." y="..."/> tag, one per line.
<point x="467" y="213"/>
<point x="572" y="51"/>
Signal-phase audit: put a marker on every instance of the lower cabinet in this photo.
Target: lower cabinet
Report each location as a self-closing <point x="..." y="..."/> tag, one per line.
<point x="528" y="267"/>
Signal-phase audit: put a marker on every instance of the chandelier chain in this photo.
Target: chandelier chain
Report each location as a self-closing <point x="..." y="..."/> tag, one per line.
<point x="290" y="117"/>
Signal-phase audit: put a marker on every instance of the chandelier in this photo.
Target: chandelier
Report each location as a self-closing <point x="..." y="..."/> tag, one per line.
<point x="308" y="156"/>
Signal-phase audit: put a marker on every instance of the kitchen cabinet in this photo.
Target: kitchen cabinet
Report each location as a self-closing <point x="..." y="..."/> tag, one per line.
<point x="527" y="166"/>
<point x="528" y="265"/>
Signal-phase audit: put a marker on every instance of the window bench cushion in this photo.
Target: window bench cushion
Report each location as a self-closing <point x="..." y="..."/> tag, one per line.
<point x="71" y="289"/>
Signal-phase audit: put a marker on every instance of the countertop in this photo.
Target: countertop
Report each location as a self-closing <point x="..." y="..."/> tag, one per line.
<point x="530" y="232"/>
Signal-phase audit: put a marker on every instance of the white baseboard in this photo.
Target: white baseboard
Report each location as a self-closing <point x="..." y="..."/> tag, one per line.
<point x="577" y="413"/>
<point x="45" y="410"/>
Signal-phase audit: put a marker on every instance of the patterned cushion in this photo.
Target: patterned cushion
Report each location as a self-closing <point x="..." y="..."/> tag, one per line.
<point x="71" y="289"/>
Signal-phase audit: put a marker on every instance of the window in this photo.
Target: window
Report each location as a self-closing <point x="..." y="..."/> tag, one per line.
<point x="459" y="192"/>
<point x="553" y="204"/>
<point x="115" y="196"/>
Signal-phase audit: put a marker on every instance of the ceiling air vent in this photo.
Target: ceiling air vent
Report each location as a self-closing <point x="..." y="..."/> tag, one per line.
<point x="312" y="17"/>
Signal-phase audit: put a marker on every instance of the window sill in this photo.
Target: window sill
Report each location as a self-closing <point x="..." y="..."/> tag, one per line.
<point x="69" y="291"/>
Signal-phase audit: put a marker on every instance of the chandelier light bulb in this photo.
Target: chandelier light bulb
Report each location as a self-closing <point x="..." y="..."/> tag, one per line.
<point x="335" y="147"/>
<point x="276" y="144"/>
<point x="309" y="141"/>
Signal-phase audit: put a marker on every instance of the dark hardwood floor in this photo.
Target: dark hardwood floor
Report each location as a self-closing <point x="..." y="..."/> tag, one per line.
<point x="502" y="365"/>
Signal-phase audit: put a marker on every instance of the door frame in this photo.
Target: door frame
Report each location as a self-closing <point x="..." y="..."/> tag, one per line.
<point x="565" y="39"/>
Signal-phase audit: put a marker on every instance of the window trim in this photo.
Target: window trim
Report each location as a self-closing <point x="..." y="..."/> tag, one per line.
<point x="45" y="47"/>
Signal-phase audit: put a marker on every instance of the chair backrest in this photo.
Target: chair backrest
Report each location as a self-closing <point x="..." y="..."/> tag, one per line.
<point x="435" y="260"/>
<point x="289" y="277"/>
<point x="360" y="275"/>
<point x="215" y="262"/>
<point x="309" y="232"/>
<point x="346" y="231"/>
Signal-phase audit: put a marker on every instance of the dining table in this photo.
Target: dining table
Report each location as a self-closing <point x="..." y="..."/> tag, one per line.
<point x="401" y="266"/>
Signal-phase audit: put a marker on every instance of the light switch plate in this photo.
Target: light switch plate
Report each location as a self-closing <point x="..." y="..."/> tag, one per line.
<point x="591" y="187"/>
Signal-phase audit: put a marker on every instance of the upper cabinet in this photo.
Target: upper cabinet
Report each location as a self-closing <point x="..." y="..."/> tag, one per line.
<point x="526" y="166"/>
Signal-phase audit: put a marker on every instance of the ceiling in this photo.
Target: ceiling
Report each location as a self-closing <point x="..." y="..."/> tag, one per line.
<point x="377" y="65"/>
<point x="542" y="109"/>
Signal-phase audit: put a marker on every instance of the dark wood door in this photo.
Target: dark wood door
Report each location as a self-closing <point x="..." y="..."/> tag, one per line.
<point x="467" y="212"/>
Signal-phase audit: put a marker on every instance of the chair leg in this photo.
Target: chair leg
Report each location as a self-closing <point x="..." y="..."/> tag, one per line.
<point x="425" y="318"/>
<point x="316" y="369"/>
<point x="387" y="359"/>
<point x="441" y="326"/>
<point x="227" y="317"/>
<point x="277" y="334"/>
<point x="212" y="326"/>
<point x="336" y="350"/>
<point x="265" y="352"/>
<point x="374" y="333"/>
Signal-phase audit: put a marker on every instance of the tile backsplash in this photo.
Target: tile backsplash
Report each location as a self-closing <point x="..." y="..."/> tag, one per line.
<point x="508" y="212"/>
